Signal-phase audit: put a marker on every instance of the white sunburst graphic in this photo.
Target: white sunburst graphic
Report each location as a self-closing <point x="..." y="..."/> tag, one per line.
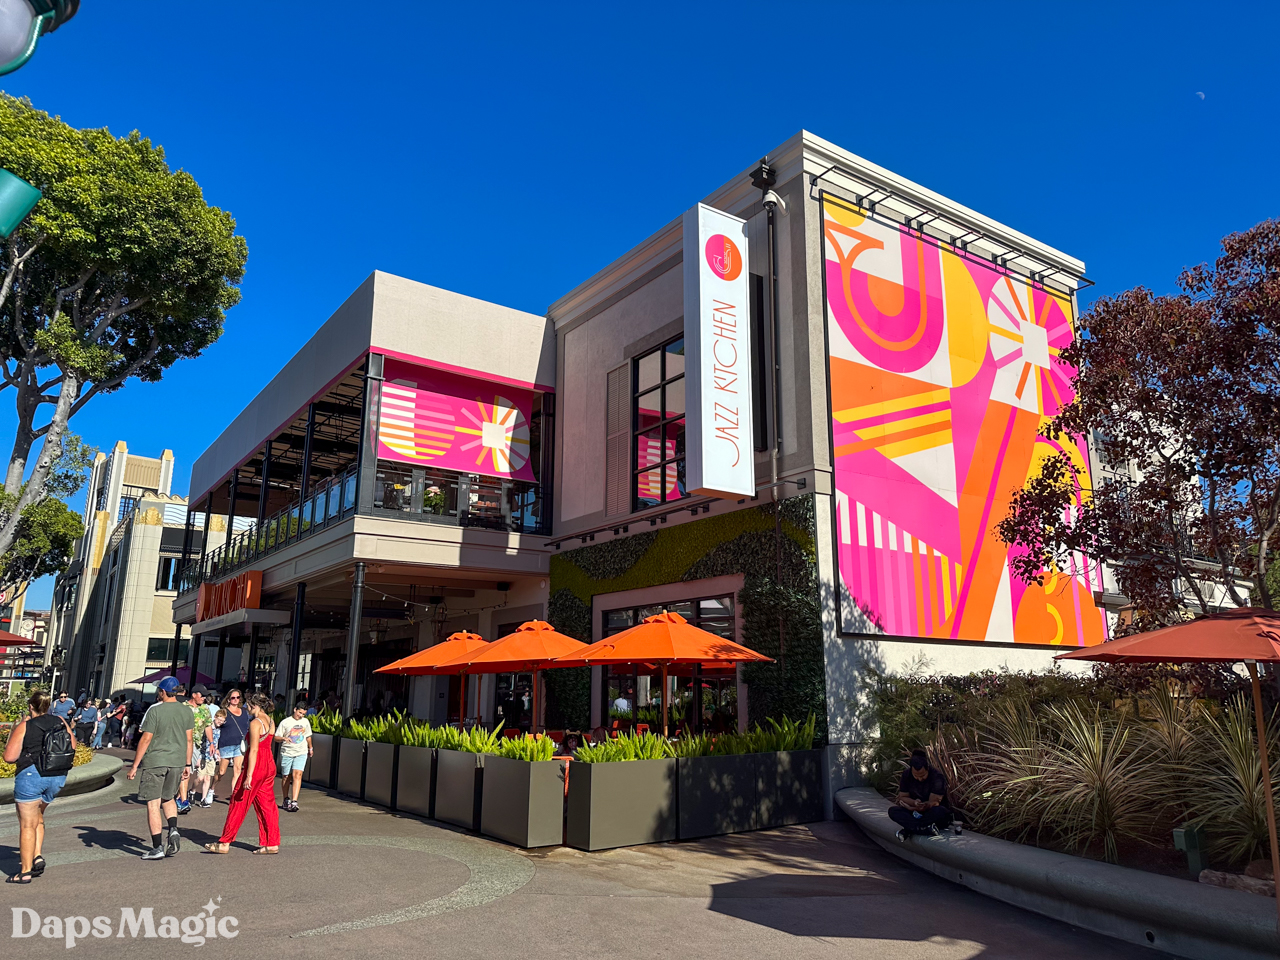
<point x="501" y="433"/>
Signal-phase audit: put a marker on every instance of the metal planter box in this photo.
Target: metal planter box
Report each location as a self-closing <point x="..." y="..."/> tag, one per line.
<point x="415" y="780"/>
<point x="351" y="767"/>
<point x="789" y="788"/>
<point x="621" y="804"/>
<point x="379" y="772"/>
<point x="458" y="787"/>
<point x="523" y="801"/>
<point x="320" y="767"/>
<point x="717" y="795"/>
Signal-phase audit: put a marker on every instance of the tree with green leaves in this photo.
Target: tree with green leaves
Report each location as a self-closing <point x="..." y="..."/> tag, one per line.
<point x="121" y="270"/>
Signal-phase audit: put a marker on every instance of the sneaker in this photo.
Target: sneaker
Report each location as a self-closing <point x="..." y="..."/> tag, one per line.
<point x="208" y="800"/>
<point x="184" y="806"/>
<point x="901" y="836"/>
<point x="156" y="854"/>
<point x="293" y="806"/>
<point x="934" y="831"/>
<point x="174" y="843"/>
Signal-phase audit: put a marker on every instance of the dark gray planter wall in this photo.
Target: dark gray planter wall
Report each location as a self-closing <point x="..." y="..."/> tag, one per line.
<point x="379" y="772"/>
<point x="789" y="788"/>
<point x="458" y="787"/>
<point x="320" y="768"/>
<point x="350" y="766"/>
<point x="415" y="768"/>
<point x="523" y="801"/>
<point x="717" y="795"/>
<point x="621" y="804"/>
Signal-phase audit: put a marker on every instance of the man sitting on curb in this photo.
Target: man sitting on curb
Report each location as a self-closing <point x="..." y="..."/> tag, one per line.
<point x="922" y="799"/>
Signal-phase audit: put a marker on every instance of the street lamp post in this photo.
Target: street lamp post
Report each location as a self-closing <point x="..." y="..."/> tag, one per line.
<point x="23" y="22"/>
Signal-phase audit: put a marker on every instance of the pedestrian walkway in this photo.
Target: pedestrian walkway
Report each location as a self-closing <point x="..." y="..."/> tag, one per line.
<point x="358" y="880"/>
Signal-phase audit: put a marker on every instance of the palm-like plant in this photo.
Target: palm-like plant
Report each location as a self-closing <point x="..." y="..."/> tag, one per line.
<point x="1099" y="779"/>
<point x="1229" y="798"/>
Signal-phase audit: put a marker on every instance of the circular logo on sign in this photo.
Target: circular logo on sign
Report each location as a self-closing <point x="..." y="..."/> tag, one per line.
<point x="723" y="257"/>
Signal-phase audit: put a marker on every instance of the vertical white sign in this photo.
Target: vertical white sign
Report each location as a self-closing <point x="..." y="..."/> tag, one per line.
<point x="719" y="450"/>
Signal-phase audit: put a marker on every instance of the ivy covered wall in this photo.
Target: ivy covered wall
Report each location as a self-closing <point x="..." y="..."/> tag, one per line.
<point x="742" y="541"/>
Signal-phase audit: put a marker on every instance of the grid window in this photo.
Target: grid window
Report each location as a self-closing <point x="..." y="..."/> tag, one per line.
<point x="714" y="614"/>
<point x="657" y="427"/>
<point x="126" y="507"/>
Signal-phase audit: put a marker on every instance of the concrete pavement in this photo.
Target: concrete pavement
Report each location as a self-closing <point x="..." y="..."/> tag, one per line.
<point x="356" y="880"/>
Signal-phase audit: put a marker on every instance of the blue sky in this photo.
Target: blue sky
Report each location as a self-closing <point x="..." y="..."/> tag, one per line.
<point x="483" y="148"/>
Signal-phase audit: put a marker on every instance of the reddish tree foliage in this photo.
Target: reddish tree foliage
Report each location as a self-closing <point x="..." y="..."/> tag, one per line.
<point x="1180" y="396"/>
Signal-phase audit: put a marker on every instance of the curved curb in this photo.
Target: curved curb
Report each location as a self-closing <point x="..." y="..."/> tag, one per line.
<point x="82" y="779"/>
<point x="1178" y="916"/>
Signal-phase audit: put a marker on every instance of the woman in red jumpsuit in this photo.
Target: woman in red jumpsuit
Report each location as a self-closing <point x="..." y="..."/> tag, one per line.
<point x="257" y="783"/>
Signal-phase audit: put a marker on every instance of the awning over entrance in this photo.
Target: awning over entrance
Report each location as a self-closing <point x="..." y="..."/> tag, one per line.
<point x="214" y="624"/>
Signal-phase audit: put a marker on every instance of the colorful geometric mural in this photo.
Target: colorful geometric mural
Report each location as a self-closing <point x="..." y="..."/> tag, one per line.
<point x="942" y="372"/>
<point x="457" y="423"/>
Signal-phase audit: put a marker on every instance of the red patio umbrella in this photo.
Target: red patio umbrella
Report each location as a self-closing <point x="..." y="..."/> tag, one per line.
<point x="1248" y="634"/>
<point x="426" y="662"/>
<point x="663" y="640"/>
<point x="534" y="646"/>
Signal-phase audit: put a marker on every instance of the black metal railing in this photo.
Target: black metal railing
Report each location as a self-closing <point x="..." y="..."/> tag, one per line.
<point x="457" y="499"/>
<point x="400" y="491"/>
<point x="333" y="500"/>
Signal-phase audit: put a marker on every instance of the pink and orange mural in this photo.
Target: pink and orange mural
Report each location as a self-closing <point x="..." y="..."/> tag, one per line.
<point x="943" y="370"/>
<point x="430" y="417"/>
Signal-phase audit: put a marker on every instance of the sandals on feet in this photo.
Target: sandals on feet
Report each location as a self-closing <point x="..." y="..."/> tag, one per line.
<point x="217" y="848"/>
<point x="37" y="866"/>
<point x="25" y="877"/>
<point x="264" y="851"/>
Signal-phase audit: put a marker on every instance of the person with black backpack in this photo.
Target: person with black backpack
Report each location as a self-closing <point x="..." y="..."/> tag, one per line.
<point x="43" y="747"/>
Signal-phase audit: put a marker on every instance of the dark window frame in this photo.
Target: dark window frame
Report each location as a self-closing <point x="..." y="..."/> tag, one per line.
<point x="678" y="457"/>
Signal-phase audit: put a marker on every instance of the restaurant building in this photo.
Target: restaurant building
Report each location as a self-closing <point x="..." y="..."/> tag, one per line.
<point x="794" y="414"/>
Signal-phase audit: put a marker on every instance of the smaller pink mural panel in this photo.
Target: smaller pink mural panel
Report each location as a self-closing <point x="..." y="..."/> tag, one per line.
<point x="440" y="419"/>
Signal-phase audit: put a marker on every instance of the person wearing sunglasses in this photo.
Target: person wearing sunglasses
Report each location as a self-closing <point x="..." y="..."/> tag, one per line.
<point x="230" y="750"/>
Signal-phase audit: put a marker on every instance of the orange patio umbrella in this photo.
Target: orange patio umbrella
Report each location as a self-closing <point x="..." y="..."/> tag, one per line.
<point x="534" y="646"/>
<point x="662" y="640"/>
<point x="1248" y="634"/>
<point x="425" y="662"/>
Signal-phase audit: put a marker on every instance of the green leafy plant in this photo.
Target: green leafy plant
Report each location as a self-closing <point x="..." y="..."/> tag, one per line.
<point x="627" y="746"/>
<point x="475" y="740"/>
<point x="327" y="722"/>
<point x="527" y="747"/>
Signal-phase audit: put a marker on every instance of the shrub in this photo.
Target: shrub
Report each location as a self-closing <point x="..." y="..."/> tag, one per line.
<point x="628" y="746"/>
<point x="527" y="747"/>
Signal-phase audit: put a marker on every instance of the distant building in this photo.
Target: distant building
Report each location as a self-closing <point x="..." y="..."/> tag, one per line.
<point x="114" y="620"/>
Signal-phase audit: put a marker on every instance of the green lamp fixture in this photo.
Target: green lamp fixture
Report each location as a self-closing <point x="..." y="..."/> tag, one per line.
<point x="22" y="22"/>
<point x="17" y="199"/>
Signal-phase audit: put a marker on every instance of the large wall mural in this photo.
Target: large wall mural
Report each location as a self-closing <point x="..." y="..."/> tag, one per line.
<point x="942" y="372"/>
<point x="440" y="419"/>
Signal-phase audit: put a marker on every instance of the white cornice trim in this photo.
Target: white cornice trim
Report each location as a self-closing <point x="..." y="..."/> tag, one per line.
<point x="804" y="153"/>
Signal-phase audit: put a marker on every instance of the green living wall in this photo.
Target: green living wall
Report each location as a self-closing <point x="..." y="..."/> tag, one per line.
<point x="739" y="542"/>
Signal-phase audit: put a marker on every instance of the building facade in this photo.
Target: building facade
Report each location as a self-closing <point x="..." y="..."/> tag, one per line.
<point x="114" y="604"/>
<point x="428" y="462"/>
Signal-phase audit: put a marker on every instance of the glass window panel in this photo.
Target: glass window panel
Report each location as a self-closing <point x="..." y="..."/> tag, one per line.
<point x="674" y="406"/>
<point x="349" y="493"/>
<point x="674" y="481"/>
<point x="648" y="409"/>
<point x="335" y="501"/>
<point x="649" y="612"/>
<point x="721" y="628"/>
<point x="684" y="608"/>
<point x="674" y="439"/>
<point x="716" y="607"/>
<point x="648" y="371"/>
<point x="615" y="620"/>
<point x="649" y="488"/>
<point x="650" y="449"/>
<point x="675" y="358"/>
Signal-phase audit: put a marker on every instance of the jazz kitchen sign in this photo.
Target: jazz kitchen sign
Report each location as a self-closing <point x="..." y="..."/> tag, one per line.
<point x="719" y="454"/>
<point x="241" y="592"/>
